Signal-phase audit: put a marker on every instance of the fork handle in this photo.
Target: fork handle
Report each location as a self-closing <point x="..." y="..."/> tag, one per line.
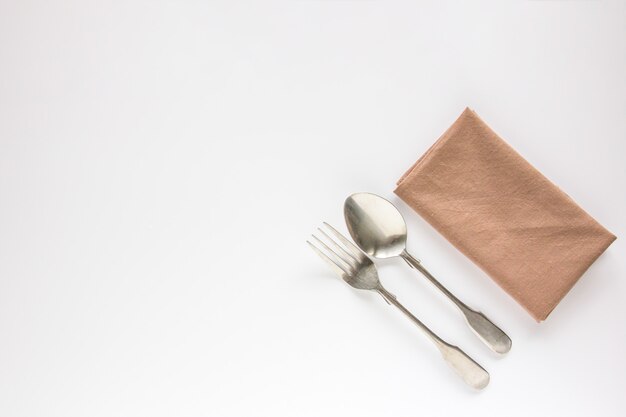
<point x="485" y="329"/>
<point x="469" y="370"/>
<point x="391" y="299"/>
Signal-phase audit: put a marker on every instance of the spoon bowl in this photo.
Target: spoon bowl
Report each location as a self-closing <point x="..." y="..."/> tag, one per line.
<point x="375" y="225"/>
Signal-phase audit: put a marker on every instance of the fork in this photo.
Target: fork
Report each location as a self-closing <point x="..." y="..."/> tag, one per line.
<point x="358" y="270"/>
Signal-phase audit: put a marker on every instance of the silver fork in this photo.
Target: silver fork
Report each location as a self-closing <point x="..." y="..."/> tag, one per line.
<point x="358" y="270"/>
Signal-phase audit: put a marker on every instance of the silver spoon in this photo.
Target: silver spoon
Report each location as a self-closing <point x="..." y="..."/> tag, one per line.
<point x="379" y="230"/>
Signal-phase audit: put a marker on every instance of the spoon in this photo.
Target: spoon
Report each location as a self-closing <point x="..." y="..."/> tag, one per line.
<point x="379" y="229"/>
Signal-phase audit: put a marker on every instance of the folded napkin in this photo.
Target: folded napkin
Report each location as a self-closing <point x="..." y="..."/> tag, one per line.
<point x="503" y="214"/>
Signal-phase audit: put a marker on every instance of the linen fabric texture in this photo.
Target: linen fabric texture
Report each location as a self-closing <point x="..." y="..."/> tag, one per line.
<point x="529" y="236"/>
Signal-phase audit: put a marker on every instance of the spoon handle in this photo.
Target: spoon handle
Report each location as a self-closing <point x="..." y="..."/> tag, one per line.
<point x="469" y="370"/>
<point x="485" y="329"/>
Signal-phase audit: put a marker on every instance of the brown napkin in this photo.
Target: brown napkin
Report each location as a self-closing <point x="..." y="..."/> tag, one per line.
<point x="503" y="214"/>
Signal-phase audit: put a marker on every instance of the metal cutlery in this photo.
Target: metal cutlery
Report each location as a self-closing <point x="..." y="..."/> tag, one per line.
<point x="379" y="230"/>
<point x="358" y="270"/>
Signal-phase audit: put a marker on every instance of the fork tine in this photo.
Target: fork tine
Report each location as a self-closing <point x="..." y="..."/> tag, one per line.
<point x="347" y="256"/>
<point x="355" y="251"/>
<point x="333" y="254"/>
<point x="338" y="267"/>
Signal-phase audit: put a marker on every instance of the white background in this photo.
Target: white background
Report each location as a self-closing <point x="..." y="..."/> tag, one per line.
<point x="163" y="162"/>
